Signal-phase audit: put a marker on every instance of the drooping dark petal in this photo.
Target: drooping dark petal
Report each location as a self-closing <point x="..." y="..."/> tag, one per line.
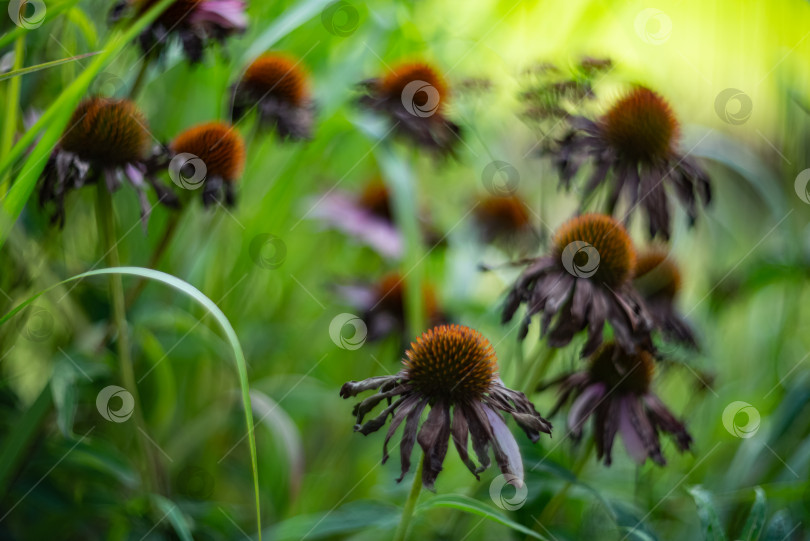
<point x="596" y="321"/>
<point x="507" y="453"/>
<point x="606" y="423"/>
<point x="583" y="407"/>
<point x="362" y="408"/>
<point x="662" y="419"/>
<point x="377" y="423"/>
<point x="633" y="412"/>
<point x="409" y="437"/>
<point x="408" y="403"/>
<point x="479" y="434"/>
<point x="434" y="438"/>
<point x="460" y="431"/>
<point x="353" y="388"/>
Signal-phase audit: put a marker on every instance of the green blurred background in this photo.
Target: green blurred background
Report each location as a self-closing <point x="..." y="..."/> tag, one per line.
<point x="745" y="265"/>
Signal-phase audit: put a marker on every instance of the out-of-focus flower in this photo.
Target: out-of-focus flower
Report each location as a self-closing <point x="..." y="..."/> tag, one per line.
<point x="585" y="281"/>
<point x="216" y="154"/>
<point x="383" y="305"/>
<point x="277" y="87"/>
<point x="454" y="370"/>
<point x="505" y="220"/>
<point x="368" y="217"/>
<point x="194" y="23"/>
<point x="633" y="148"/>
<point x="107" y="140"/>
<point x="414" y="96"/>
<point x="615" y="392"/>
<point x="658" y="279"/>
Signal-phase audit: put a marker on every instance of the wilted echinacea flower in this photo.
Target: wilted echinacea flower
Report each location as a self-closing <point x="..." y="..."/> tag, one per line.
<point x="212" y="153"/>
<point x="193" y="22"/>
<point x="454" y="370"/>
<point x="414" y="97"/>
<point x="634" y="147"/>
<point x="658" y="280"/>
<point x="277" y="87"/>
<point x="583" y="283"/>
<point x="105" y="139"/>
<point x="615" y="392"/>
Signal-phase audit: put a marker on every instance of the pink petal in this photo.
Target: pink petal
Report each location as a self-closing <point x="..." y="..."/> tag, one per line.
<point x="343" y="213"/>
<point x="583" y="406"/>
<point x="632" y="441"/>
<point x="225" y="13"/>
<point x="504" y="440"/>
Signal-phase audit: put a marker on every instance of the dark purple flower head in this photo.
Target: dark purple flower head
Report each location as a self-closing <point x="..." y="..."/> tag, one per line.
<point x="583" y="283"/>
<point x="414" y="96"/>
<point x="194" y="23"/>
<point x="615" y="392"/>
<point x="454" y="370"/>
<point x="105" y="139"/>
<point x="633" y="149"/>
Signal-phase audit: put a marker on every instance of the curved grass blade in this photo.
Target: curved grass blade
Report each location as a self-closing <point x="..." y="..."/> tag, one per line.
<point x="286" y="23"/>
<point x="755" y="522"/>
<point x="712" y="528"/>
<point x="470" y="505"/>
<point x="219" y="316"/>
<point x="45" y="65"/>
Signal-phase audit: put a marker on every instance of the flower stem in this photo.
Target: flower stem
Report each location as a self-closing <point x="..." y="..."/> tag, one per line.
<point x="165" y="240"/>
<point x="140" y="79"/>
<point x="539" y="370"/>
<point x="106" y="227"/>
<point x="410" y="503"/>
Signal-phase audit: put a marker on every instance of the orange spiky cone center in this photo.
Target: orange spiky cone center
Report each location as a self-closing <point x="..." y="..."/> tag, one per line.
<point x="394" y="83"/>
<point x="641" y="126"/>
<point x="218" y="145"/>
<point x="107" y="131"/>
<point x="610" y="244"/>
<point x="626" y="373"/>
<point x="508" y="213"/>
<point x="451" y="362"/>
<point x="277" y="75"/>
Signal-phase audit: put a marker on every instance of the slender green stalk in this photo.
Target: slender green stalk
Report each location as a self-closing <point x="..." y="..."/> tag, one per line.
<point x="539" y="369"/>
<point x="165" y="241"/>
<point x="106" y="226"/>
<point x="410" y="503"/>
<point x="140" y="79"/>
<point x="12" y="108"/>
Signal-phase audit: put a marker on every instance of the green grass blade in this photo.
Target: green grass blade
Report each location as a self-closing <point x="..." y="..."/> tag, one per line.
<point x="55" y="119"/>
<point x="755" y="522"/>
<point x="45" y="65"/>
<point x="473" y="506"/>
<point x="222" y="320"/>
